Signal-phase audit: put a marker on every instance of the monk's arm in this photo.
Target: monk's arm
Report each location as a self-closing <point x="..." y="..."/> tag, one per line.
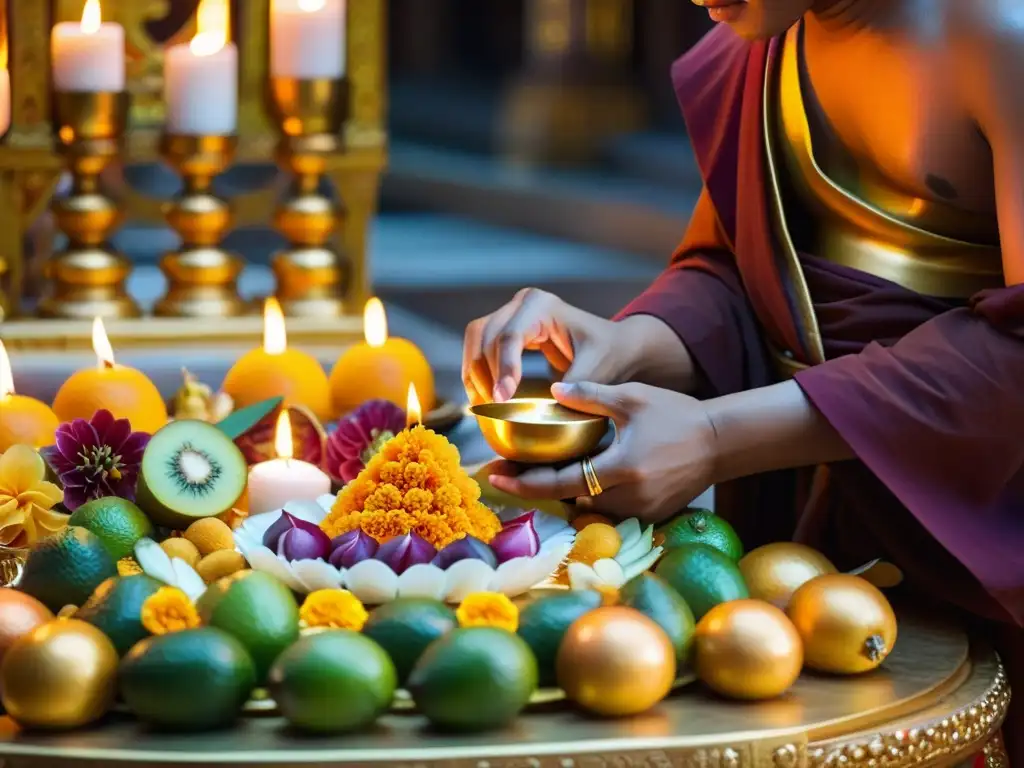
<point x="700" y="298"/>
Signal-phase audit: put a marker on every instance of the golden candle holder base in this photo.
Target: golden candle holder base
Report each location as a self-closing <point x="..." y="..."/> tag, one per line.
<point x="310" y="276"/>
<point x="87" y="279"/>
<point x="202" y="277"/>
<point x="12" y="562"/>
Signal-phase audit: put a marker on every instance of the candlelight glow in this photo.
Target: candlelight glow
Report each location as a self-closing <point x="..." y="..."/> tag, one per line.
<point x="211" y="27"/>
<point x="101" y="345"/>
<point x="413" y="411"/>
<point x="283" y="436"/>
<point x="275" y="340"/>
<point x="375" y="323"/>
<point x="6" y="376"/>
<point x="311" y="6"/>
<point x="91" y="17"/>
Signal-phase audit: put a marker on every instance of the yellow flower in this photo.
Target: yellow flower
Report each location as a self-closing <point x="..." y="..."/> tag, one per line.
<point x="127" y="566"/>
<point x="488" y="609"/>
<point x="333" y="608"/>
<point x="414" y="483"/>
<point x="26" y="499"/>
<point x="169" y="610"/>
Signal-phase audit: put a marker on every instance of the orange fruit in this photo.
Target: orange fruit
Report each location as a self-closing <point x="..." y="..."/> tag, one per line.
<point x="596" y="541"/>
<point x="589" y="518"/>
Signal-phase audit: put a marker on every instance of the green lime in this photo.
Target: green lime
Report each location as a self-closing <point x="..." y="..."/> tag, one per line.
<point x="474" y="679"/>
<point x="333" y="682"/>
<point x="65" y="569"/>
<point x="703" y="576"/>
<point x="115" y="609"/>
<point x="543" y="624"/>
<point x="118" y="523"/>
<point x="187" y="681"/>
<point x="406" y="626"/>
<point x="654" y="598"/>
<point x="702" y="526"/>
<point x="258" y="610"/>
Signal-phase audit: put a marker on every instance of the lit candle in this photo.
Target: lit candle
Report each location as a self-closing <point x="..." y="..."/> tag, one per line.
<point x="5" y="89"/>
<point x="123" y="391"/>
<point x="413" y="410"/>
<point x="88" y="56"/>
<point x="380" y="367"/>
<point x="23" y="420"/>
<point x="307" y="38"/>
<point x="277" y="371"/>
<point x="201" y="77"/>
<point x="274" y="483"/>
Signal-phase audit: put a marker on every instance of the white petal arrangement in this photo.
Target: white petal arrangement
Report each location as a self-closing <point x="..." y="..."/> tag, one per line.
<point x="374" y="581"/>
<point x="174" y="572"/>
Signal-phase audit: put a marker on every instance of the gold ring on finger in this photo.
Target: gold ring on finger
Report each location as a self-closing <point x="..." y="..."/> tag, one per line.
<point x="590" y="476"/>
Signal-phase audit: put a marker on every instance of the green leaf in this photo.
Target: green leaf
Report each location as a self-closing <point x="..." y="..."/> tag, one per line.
<point x="240" y="422"/>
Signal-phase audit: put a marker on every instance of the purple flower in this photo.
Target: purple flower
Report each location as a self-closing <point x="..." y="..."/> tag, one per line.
<point x="517" y="538"/>
<point x="96" y="458"/>
<point x="360" y="435"/>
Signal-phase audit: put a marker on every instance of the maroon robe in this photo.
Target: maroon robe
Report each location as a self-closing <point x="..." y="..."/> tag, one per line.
<point x="928" y="395"/>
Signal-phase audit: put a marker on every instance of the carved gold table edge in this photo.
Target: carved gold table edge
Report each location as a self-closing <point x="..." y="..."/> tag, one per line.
<point x="960" y="725"/>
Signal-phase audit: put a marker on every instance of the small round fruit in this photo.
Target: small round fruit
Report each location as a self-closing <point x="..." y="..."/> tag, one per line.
<point x="65" y="569"/>
<point x="589" y="518"/>
<point x="181" y="548"/>
<point x="544" y="622"/>
<point x="336" y="681"/>
<point x="117" y="522"/>
<point x="219" y="564"/>
<point x="846" y="624"/>
<point x="61" y="675"/>
<point x="702" y="526"/>
<point x="405" y="627"/>
<point x="19" y="615"/>
<point x="210" y="535"/>
<point x="703" y="575"/>
<point x="615" y="661"/>
<point x="474" y="679"/>
<point x="189" y="681"/>
<point x="747" y="649"/>
<point x="775" y="571"/>
<point x="595" y="542"/>
<point x="115" y="608"/>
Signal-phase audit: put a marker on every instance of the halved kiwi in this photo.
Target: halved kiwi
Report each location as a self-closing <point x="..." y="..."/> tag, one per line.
<point x="190" y="470"/>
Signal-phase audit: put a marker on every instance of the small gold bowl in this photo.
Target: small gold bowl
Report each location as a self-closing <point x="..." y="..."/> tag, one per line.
<point x="537" y="430"/>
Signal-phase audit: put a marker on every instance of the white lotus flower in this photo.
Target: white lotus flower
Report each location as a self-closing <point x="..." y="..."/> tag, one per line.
<point x="373" y="582"/>
<point x="636" y="555"/>
<point x="174" y="572"/>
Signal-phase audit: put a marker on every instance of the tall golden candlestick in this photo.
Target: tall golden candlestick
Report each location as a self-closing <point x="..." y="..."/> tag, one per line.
<point x="202" y="277"/>
<point x="87" y="279"/>
<point x="310" y="275"/>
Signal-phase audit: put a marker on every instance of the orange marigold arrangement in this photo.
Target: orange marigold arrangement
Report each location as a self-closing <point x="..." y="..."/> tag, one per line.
<point x="488" y="609"/>
<point x="414" y="484"/>
<point x="169" y="610"/>
<point x="334" y="609"/>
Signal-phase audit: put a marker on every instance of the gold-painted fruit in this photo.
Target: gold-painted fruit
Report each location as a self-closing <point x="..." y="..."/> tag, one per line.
<point x="775" y="571"/>
<point x="615" y="661"/>
<point x="19" y="615"/>
<point x="183" y="549"/>
<point x="219" y="564"/>
<point x="210" y="535"/>
<point x="747" y="649"/>
<point x="61" y="675"/>
<point x="847" y="624"/>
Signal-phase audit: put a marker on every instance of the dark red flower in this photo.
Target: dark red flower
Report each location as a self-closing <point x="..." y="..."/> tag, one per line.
<point x="360" y="435"/>
<point x="97" y="458"/>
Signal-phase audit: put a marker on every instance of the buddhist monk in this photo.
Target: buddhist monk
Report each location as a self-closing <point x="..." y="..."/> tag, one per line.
<point x="841" y="331"/>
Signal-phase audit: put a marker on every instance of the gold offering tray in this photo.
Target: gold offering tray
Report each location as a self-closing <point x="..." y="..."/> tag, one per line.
<point x="938" y="700"/>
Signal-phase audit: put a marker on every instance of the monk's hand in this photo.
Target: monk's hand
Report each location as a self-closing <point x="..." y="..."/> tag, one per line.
<point x="662" y="458"/>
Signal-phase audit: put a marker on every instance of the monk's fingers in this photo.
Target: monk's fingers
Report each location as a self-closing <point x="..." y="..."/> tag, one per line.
<point x="618" y="503"/>
<point x="504" y="342"/>
<point x="563" y="483"/>
<point x="471" y="350"/>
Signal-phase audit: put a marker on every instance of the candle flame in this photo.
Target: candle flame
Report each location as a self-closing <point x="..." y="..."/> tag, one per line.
<point x="275" y="339"/>
<point x="311" y="6"/>
<point x="6" y="375"/>
<point x="101" y="344"/>
<point x="211" y="27"/>
<point x="413" y="410"/>
<point x="375" y="323"/>
<point x="283" y="436"/>
<point x="92" y="17"/>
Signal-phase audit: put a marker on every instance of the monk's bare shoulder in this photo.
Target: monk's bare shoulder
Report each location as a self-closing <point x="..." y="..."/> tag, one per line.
<point x="987" y="43"/>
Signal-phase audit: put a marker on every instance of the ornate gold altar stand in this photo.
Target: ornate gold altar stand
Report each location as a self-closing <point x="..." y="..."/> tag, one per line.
<point x="939" y="701"/>
<point x="316" y="130"/>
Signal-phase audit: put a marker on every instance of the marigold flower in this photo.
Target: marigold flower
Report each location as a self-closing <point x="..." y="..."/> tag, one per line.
<point x="334" y="609"/>
<point x="27" y="498"/>
<point x="169" y="610"/>
<point x="414" y="484"/>
<point x="488" y="609"/>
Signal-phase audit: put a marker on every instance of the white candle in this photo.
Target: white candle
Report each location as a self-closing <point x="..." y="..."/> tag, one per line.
<point x="307" y="38"/>
<point x="201" y="78"/>
<point x="88" y="56"/>
<point x="272" y="484"/>
<point x="5" y="100"/>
